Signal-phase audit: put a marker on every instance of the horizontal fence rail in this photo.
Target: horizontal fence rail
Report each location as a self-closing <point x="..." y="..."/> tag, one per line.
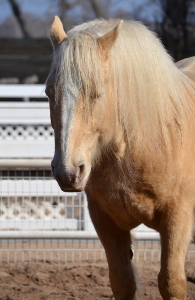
<point x="22" y="91"/>
<point x="31" y="163"/>
<point x="80" y="235"/>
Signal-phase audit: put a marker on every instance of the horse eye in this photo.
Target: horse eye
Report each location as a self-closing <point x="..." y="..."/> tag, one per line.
<point x="95" y="96"/>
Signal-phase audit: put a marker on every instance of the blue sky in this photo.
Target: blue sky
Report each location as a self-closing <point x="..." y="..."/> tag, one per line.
<point x="40" y="8"/>
<point x="36" y="7"/>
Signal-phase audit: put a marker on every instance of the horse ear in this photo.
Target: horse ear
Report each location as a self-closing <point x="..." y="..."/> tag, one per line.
<point x="57" y="33"/>
<point x="107" y="41"/>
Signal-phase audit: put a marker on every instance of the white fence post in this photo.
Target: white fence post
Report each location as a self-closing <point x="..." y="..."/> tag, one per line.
<point x="88" y="225"/>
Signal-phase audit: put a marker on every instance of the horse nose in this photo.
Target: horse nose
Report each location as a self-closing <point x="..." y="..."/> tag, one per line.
<point x="69" y="180"/>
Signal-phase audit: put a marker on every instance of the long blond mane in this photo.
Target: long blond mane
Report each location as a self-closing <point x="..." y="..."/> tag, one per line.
<point x="149" y="92"/>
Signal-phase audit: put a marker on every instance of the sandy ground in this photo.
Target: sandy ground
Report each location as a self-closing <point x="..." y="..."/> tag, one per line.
<point x="89" y="281"/>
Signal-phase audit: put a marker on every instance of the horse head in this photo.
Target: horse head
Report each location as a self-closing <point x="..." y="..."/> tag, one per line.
<point x="81" y="109"/>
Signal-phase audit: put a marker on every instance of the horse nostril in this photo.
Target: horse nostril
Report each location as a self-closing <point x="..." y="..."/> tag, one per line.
<point x="81" y="171"/>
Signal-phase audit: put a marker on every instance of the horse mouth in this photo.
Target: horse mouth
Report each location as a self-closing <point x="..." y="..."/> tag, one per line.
<point x="69" y="182"/>
<point x="73" y="188"/>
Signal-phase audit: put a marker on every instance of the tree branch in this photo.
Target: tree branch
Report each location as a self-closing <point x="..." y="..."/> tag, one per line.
<point x="17" y="13"/>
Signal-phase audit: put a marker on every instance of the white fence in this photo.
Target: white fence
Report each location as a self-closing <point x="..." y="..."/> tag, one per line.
<point x="37" y="220"/>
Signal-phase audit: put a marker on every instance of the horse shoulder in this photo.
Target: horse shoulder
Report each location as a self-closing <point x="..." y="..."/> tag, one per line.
<point x="187" y="66"/>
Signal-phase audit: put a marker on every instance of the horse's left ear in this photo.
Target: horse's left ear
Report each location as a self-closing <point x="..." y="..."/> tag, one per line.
<point x="107" y="41"/>
<point x="57" y="33"/>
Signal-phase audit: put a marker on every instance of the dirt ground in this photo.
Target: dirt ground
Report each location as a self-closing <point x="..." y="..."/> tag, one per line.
<point x="89" y="281"/>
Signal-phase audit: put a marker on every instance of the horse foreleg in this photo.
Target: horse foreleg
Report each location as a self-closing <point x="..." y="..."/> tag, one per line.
<point x="175" y="235"/>
<point x="117" y="245"/>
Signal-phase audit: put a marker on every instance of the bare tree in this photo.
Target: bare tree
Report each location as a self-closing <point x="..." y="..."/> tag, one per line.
<point x="64" y="7"/>
<point x="100" y="8"/>
<point x="175" y="26"/>
<point x="17" y="13"/>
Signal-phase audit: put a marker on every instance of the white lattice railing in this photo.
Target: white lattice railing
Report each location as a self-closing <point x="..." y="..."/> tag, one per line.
<point x="32" y="200"/>
<point x="22" y="132"/>
<point x="25" y="130"/>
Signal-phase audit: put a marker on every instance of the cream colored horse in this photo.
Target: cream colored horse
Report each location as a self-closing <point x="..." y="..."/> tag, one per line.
<point x="124" y="122"/>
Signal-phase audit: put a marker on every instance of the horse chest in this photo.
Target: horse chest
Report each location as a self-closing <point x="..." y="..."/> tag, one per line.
<point x="127" y="207"/>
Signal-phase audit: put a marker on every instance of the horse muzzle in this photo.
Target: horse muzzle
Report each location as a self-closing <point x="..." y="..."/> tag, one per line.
<point x="73" y="181"/>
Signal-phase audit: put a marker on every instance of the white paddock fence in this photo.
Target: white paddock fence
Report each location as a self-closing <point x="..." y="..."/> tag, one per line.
<point x="37" y="220"/>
